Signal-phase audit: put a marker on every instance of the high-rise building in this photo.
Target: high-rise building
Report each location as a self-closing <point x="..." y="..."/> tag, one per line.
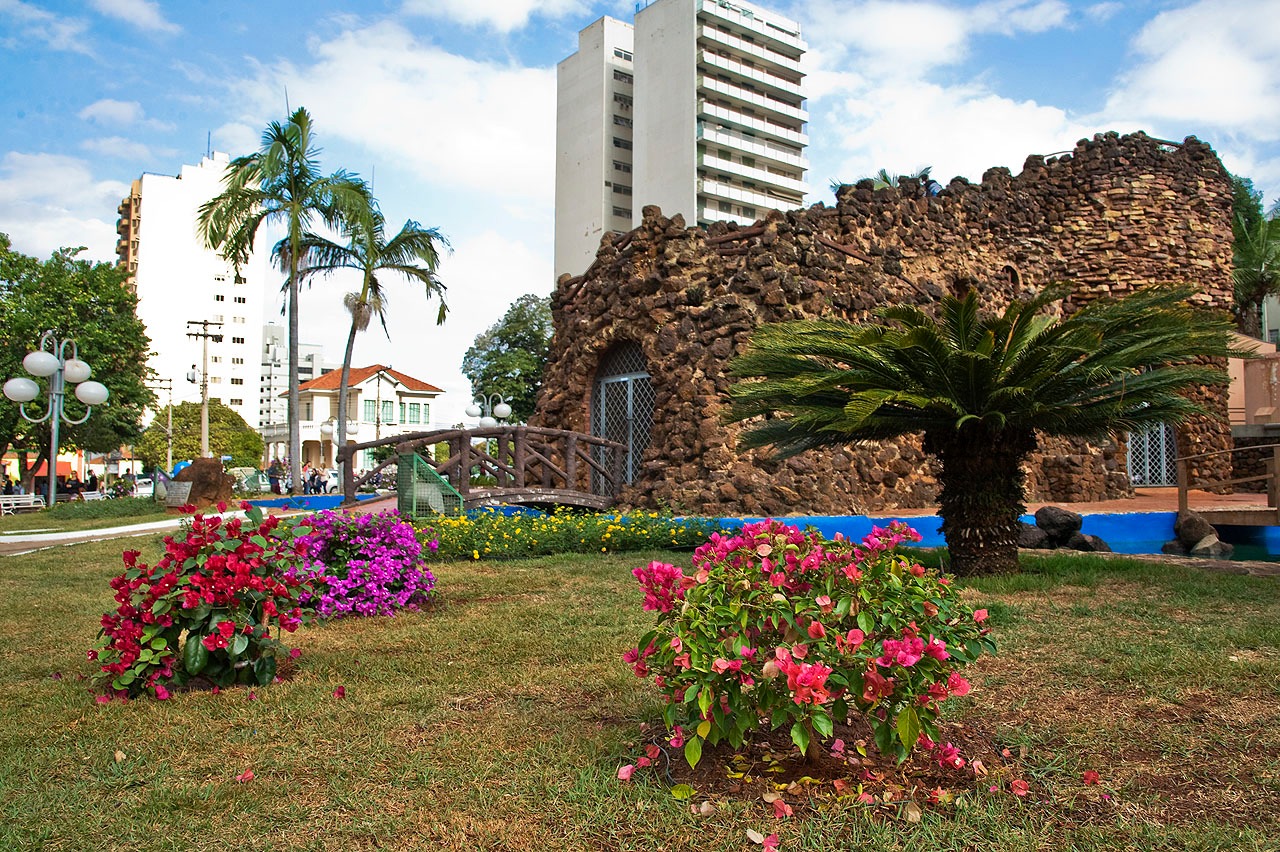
<point x="273" y="409"/>
<point x="180" y="282"/>
<point x="698" y="109"/>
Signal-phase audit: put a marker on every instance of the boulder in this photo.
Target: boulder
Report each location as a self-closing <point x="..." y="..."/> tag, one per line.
<point x="1191" y="529"/>
<point x="1210" y="547"/>
<point x="1058" y="523"/>
<point x="1174" y="548"/>
<point x="209" y="483"/>
<point x="1031" y="536"/>
<point x="1087" y="543"/>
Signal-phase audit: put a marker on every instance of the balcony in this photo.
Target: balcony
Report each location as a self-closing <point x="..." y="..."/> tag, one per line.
<point x="790" y="157"/>
<point x="750" y="197"/>
<point x="734" y="118"/>
<point x="786" y="33"/>
<point x="788" y="185"/>
<point x="746" y="97"/>
<point x="708" y="215"/>
<point x="781" y="64"/>
<point x="772" y="82"/>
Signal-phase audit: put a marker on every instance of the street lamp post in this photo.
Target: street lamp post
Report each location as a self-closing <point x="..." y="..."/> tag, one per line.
<point x="329" y="430"/>
<point x="51" y="361"/>
<point x="490" y="409"/>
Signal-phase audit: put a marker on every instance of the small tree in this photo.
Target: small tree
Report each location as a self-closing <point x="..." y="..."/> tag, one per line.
<point x="509" y="357"/>
<point x="980" y="388"/>
<point x="229" y="435"/>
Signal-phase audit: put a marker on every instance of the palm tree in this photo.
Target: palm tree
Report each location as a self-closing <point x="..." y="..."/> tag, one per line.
<point x="979" y="387"/>
<point x="281" y="184"/>
<point x="413" y="253"/>
<point x="1256" y="270"/>
<point x="884" y="179"/>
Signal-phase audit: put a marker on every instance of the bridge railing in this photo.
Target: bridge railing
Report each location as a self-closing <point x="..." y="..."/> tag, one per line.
<point x="1271" y="477"/>
<point x="514" y="457"/>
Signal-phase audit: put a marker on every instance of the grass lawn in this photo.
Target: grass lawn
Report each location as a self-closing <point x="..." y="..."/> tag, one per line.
<point x="71" y="516"/>
<point x="499" y="720"/>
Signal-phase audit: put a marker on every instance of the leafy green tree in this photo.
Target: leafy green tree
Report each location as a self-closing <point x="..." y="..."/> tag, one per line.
<point x="229" y="435"/>
<point x="414" y="253"/>
<point x="281" y="184"/>
<point x="1255" y="256"/>
<point x="885" y="179"/>
<point x="509" y="357"/>
<point x="89" y="303"/>
<point x="979" y="387"/>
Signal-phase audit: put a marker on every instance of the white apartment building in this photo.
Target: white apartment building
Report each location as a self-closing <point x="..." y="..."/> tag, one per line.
<point x="698" y="109"/>
<point x="178" y="281"/>
<point x="273" y="404"/>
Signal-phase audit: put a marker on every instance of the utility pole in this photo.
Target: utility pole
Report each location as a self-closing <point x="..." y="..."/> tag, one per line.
<point x="167" y="384"/>
<point x="206" y="336"/>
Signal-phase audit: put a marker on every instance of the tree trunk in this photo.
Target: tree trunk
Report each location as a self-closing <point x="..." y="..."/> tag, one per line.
<point x="982" y="497"/>
<point x="295" y="425"/>
<point x="343" y="383"/>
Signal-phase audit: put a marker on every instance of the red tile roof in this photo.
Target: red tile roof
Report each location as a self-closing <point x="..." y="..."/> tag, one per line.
<point x="330" y="381"/>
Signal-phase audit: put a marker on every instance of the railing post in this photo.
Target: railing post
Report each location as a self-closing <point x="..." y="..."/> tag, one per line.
<point x="571" y="463"/>
<point x="519" y="463"/>
<point x="464" y="464"/>
<point x="616" y="467"/>
<point x="1183" y="499"/>
<point x="1273" y="483"/>
<point x="504" y="450"/>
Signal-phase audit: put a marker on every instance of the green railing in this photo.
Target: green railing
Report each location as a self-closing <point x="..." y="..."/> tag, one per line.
<point x="421" y="491"/>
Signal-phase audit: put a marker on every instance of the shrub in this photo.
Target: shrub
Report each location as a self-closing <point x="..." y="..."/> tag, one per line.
<point x="207" y="607"/>
<point x="366" y="565"/>
<point x="124" y="507"/>
<point x="490" y="534"/>
<point x="777" y="627"/>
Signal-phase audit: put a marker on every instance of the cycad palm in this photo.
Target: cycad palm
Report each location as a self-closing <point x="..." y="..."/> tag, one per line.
<point x="414" y="252"/>
<point x="280" y="184"/>
<point x="979" y="388"/>
<point x="1256" y="271"/>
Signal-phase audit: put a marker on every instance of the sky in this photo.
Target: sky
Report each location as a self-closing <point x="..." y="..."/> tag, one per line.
<point x="448" y="107"/>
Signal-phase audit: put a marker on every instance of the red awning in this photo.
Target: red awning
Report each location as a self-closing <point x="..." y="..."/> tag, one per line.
<point x="64" y="469"/>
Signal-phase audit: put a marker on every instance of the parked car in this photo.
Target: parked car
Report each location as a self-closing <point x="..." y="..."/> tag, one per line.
<point x="250" y="480"/>
<point x="144" y="486"/>
<point x="332" y="482"/>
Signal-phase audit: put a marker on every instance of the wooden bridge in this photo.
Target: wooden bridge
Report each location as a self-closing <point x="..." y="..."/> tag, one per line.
<point x="1246" y="516"/>
<point x="522" y="465"/>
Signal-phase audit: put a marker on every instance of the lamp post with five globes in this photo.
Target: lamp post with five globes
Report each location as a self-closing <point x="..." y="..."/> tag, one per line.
<point x="51" y="361"/>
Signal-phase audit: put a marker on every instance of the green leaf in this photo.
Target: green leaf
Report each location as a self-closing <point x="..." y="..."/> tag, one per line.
<point x="239" y="644"/>
<point x="822" y="723"/>
<point x="683" y="792"/>
<point x="195" y="656"/>
<point x="693" y="751"/>
<point x="843" y="607"/>
<point x="704" y="728"/>
<point x="704" y="701"/>
<point x="865" y="622"/>
<point x="908" y="727"/>
<point x="800" y="737"/>
<point x="159" y="643"/>
<point x="264" y="669"/>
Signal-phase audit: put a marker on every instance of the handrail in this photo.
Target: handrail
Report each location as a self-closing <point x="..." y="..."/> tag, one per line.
<point x="1272" y="476"/>
<point x="1226" y="452"/>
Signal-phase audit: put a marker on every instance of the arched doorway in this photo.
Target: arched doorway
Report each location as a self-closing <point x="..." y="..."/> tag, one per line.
<point x="1151" y="456"/>
<point x="622" y="404"/>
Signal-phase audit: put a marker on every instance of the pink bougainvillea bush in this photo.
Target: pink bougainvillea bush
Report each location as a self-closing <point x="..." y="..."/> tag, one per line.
<point x="364" y="565"/>
<point x="207" y="607"/>
<point x="777" y="627"/>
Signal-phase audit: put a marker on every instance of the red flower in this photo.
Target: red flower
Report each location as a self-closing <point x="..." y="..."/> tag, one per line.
<point x="1091" y="777"/>
<point x="1019" y="787"/>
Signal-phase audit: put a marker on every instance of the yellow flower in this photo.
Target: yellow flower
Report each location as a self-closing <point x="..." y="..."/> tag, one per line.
<point x="475" y="554"/>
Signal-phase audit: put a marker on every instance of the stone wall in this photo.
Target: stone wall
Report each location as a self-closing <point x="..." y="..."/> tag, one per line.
<point x="1114" y="214"/>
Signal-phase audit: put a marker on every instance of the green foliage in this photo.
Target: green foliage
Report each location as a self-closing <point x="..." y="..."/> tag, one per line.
<point x="489" y="534"/>
<point x="89" y="303"/>
<point x="1255" y="256"/>
<point x="780" y="629"/>
<point x="979" y="387"/>
<point x="229" y="435"/>
<point x="120" y="507"/>
<point x="509" y="357"/>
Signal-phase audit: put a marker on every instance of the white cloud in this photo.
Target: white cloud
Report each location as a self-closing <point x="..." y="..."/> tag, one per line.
<point x="143" y="14"/>
<point x="31" y="23"/>
<point x="1210" y="64"/>
<point x="503" y="16"/>
<point x="120" y="114"/>
<point x="1103" y="12"/>
<point x="454" y="121"/>
<point x="48" y="201"/>
<point x="121" y="148"/>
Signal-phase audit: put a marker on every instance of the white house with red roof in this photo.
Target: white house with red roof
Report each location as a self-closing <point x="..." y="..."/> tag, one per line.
<point x="381" y="402"/>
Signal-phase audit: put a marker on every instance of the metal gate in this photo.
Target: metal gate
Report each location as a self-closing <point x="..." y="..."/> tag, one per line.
<point x="622" y="406"/>
<point x="1151" y="456"/>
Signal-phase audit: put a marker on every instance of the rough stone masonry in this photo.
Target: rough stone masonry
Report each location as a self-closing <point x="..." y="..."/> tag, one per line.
<point x="1114" y="214"/>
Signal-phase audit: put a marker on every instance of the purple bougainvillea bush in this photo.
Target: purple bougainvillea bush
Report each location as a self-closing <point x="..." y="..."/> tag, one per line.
<point x="365" y="565"/>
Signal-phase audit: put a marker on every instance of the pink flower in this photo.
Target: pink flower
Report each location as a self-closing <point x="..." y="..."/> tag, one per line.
<point x="937" y="649"/>
<point x="683" y="661"/>
<point x="1091" y="777"/>
<point x="781" y="809"/>
<point x="777" y="578"/>
<point x="624" y="774"/>
<point x="677" y="737"/>
<point x="957" y="685"/>
<point x="102" y="699"/>
<point x="643" y="762"/>
<point x="652" y="750"/>
<point x="772" y="843"/>
<point x="916" y="569"/>
<point x="824" y="603"/>
<point x="340" y="692"/>
<point x="676" y="644"/>
<point x="245" y="777"/>
<point x="979" y="615"/>
<point x="161" y="692"/>
<point x="295" y="653"/>
<point x="663" y="585"/>
<point x="816" y="630"/>
<point x="874" y="686"/>
<point x="1019" y="787"/>
<point x="799" y="651"/>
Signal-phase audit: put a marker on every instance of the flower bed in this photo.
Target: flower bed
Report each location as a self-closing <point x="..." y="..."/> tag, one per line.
<point x="364" y="565"/>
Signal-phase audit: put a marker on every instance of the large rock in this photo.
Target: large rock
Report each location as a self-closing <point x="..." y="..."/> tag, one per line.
<point x="1058" y="523"/>
<point x="1191" y="529"/>
<point x="1210" y="547"/>
<point x="1087" y="543"/>
<point x="1032" y="537"/>
<point x="209" y="483"/>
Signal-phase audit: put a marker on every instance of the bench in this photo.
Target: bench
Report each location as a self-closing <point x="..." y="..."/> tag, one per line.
<point x="11" y="503"/>
<point x="92" y="495"/>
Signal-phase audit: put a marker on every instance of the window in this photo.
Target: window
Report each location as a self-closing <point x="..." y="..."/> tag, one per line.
<point x="370" y="411"/>
<point x="621" y="166"/>
<point x="402" y="412"/>
<point x="217" y="318"/>
<point x="388" y="411"/>
<point x="415" y="413"/>
<point x="218" y="297"/>
<point x="623" y="77"/>
<point x="426" y="413"/>
<point x="624" y="144"/>
<point x="622" y="100"/>
<point x="237" y="360"/>
<point x="237" y="381"/>
<point x="622" y="54"/>
<point x="622" y="121"/>
<point x="238" y="320"/>
<point x="240" y="300"/>
<point x="221" y="279"/>
<point x="240" y="279"/>
<point x="217" y="359"/>
<point x="624" y="212"/>
<point x="237" y="340"/>
<point x="215" y="380"/>
<point x="306" y="411"/>
<point x="621" y="189"/>
<point x="237" y="401"/>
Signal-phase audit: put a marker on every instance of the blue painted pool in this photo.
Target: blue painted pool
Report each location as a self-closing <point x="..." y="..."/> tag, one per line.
<point x="311" y="502"/>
